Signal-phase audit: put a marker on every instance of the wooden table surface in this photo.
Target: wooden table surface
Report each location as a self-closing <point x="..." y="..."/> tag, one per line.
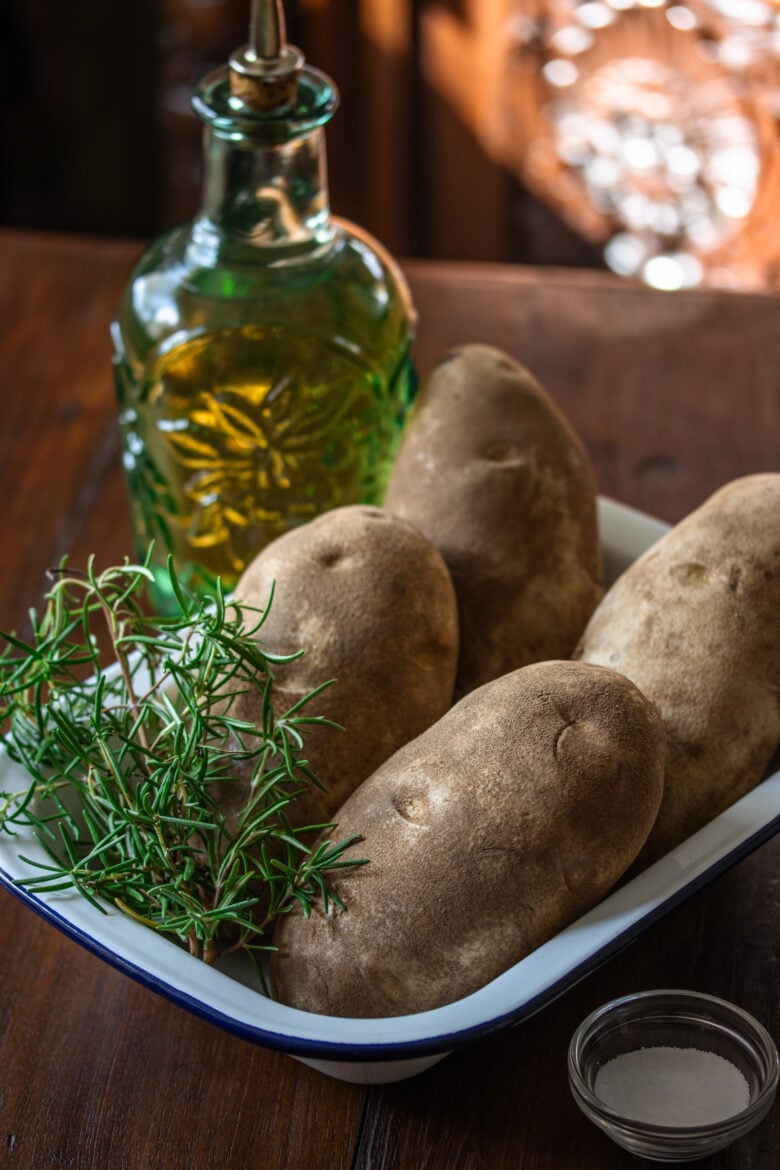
<point x="673" y="394"/>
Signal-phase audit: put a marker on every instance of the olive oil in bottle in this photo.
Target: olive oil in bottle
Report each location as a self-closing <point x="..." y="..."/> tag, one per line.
<point x="262" y="350"/>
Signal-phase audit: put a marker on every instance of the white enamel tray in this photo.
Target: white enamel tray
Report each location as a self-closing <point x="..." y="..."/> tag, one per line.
<point x="373" y="1051"/>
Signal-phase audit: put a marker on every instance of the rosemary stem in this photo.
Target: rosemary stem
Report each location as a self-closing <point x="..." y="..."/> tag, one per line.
<point x="121" y="658"/>
<point x="123" y="786"/>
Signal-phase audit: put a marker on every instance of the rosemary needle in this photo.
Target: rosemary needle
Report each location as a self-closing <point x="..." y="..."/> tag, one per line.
<point x="123" y="761"/>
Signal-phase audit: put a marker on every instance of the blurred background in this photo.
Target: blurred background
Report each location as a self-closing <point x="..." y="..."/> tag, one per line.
<point x="637" y="135"/>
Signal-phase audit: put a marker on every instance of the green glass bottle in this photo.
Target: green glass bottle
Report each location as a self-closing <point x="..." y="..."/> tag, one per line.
<point x="262" y="350"/>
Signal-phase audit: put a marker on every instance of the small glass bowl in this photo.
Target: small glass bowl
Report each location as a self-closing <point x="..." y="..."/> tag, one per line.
<point x="675" y="1019"/>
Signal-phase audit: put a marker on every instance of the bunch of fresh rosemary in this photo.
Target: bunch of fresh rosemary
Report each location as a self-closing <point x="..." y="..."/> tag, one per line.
<point x="124" y="762"/>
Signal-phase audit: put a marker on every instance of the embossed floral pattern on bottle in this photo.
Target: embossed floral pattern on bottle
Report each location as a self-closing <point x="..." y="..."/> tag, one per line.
<point x="262" y="352"/>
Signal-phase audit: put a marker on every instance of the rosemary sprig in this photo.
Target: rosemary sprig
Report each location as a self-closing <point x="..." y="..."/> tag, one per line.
<point x="125" y="761"/>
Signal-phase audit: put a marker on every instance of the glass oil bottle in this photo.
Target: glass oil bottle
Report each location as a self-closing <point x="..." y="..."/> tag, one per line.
<point x="262" y="350"/>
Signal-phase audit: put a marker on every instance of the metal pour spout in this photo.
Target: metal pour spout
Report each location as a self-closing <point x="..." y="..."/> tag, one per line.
<point x="264" y="72"/>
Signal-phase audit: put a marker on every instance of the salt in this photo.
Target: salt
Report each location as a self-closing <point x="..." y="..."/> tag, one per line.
<point x="672" y="1086"/>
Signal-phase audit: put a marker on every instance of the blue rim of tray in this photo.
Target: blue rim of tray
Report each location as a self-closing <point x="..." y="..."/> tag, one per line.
<point x="439" y="1042"/>
<point x="428" y="1045"/>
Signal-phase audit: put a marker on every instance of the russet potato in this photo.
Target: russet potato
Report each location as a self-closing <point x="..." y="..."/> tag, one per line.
<point x="370" y="602"/>
<point x="486" y="835"/>
<point x="695" y="623"/>
<point x="491" y="472"/>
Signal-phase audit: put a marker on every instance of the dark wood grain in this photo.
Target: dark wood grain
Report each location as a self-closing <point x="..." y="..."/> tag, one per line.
<point x="672" y="395"/>
<point x="99" y="1073"/>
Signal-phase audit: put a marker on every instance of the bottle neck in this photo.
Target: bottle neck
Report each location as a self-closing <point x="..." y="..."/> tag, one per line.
<point x="266" y="201"/>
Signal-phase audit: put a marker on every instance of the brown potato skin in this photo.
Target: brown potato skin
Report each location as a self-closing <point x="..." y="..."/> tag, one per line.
<point x="371" y="603"/>
<point x="695" y="623"/>
<point x="495" y="477"/>
<point x="486" y="835"/>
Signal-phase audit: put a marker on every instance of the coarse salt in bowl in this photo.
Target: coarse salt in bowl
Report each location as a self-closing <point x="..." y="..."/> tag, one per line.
<point x="673" y="1075"/>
